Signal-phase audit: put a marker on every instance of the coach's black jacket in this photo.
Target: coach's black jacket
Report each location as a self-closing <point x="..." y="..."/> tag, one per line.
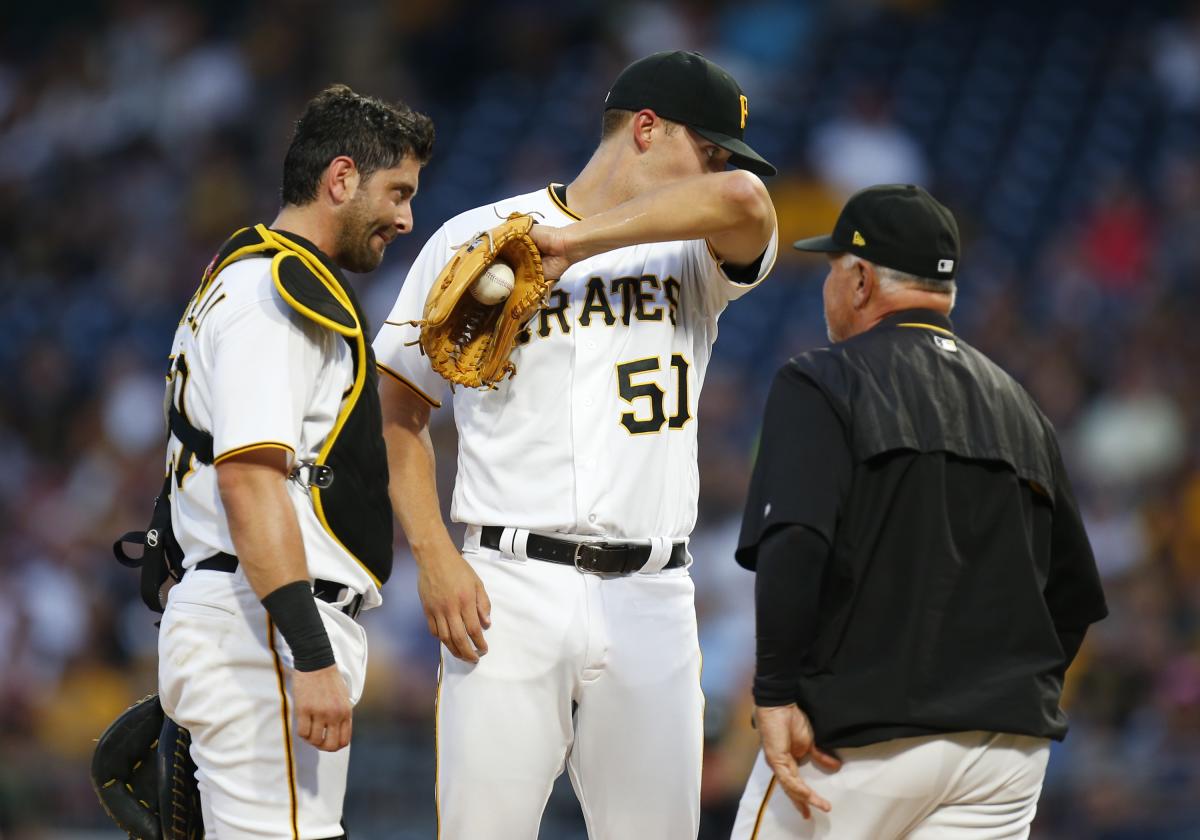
<point x="955" y="579"/>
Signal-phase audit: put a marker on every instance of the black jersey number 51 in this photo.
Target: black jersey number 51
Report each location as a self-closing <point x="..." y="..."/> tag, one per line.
<point x="650" y="390"/>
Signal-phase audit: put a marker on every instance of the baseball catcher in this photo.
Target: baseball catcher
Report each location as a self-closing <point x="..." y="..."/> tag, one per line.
<point x="467" y="338"/>
<point x="144" y="776"/>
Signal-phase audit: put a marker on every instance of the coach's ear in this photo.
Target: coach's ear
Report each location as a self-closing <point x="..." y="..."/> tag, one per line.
<point x="341" y="180"/>
<point x="865" y="283"/>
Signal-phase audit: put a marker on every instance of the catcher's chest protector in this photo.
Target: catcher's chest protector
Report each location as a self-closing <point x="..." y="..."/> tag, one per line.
<point x="352" y="501"/>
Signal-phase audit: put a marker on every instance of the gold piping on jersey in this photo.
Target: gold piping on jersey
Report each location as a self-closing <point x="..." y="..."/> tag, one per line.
<point x="762" y="275"/>
<point x="287" y="730"/>
<point x="437" y="753"/>
<point x="403" y="381"/>
<point x="712" y="252"/>
<point x="289" y="248"/>
<point x="703" y="702"/>
<point x="560" y="205"/>
<point x="285" y="247"/>
<point x="266" y="444"/>
<point x="942" y="330"/>
<point x="762" y="809"/>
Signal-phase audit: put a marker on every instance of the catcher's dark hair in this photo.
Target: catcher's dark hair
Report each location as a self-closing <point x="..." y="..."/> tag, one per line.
<point x="337" y="121"/>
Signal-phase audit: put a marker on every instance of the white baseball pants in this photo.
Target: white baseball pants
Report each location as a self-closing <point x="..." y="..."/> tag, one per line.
<point x="228" y="682"/>
<point x="601" y="675"/>
<point x="960" y="786"/>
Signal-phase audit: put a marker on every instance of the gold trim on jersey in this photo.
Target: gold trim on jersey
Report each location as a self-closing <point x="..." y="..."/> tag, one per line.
<point x="762" y="275"/>
<point x="266" y="444"/>
<point x="712" y="252"/>
<point x="928" y="327"/>
<point x="762" y="809"/>
<point x="774" y="259"/>
<point x="703" y="699"/>
<point x="403" y="381"/>
<point x="285" y="248"/>
<point x="287" y="730"/>
<point x="560" y="205"/>
<point x="437" y="754"/>
<point x="289" y="248"/>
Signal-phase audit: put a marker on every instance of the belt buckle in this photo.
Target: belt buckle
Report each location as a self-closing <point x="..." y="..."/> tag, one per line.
<point x="586" y="555"/>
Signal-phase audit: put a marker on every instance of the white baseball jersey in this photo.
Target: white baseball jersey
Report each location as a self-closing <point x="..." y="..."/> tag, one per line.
<point x="253" y="372"/>
<point x="596" y="433"/>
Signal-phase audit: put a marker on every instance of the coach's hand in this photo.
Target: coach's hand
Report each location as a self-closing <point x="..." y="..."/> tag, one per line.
<point x="456" y="605"/>
<point x="787" y="739"/>
<point x="323" y="709"/>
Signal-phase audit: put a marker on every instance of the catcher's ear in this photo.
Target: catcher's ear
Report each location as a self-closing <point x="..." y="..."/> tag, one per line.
<point x="341" y="179"/>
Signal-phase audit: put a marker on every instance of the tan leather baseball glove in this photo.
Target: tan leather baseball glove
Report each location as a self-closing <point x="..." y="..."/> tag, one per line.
<point x="469" y="342"/>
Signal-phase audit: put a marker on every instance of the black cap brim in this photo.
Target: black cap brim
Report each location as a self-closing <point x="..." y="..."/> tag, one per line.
<point x="741" y="155"/>
<point x="818" y="244"/>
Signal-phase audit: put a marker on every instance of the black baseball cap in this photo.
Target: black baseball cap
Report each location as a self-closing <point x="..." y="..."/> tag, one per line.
<point x="685" y="87"/>
<point x="898" y="226"/>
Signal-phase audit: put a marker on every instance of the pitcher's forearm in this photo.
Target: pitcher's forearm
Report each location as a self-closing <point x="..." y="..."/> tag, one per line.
<point x="720" y="206"/>
<point x="412" y="469"/>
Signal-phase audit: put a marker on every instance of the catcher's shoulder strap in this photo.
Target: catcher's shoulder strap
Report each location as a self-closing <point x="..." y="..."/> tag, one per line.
<point x="311" y="283"/>
<point x="305" y="278"/>
<point x="353" y="506"/>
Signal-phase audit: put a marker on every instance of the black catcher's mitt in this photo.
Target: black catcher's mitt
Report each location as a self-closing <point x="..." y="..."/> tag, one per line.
<point x="144" y="775"/>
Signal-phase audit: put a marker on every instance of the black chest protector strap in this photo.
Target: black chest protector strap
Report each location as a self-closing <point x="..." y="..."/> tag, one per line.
<point x="198" y="441"/>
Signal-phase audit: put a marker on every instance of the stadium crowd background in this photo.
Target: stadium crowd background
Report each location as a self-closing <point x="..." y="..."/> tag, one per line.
<point x="136" y="135"/>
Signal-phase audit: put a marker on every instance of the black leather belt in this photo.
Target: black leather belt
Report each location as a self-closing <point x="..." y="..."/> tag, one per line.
<point x="601" y="558"/>
<point x="327" y="590"/>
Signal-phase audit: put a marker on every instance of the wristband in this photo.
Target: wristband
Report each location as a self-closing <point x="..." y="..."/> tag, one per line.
<point x="294" y="611"/>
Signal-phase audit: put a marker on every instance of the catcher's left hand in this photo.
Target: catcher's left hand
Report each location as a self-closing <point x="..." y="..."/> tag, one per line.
<point x="468" y="342"/>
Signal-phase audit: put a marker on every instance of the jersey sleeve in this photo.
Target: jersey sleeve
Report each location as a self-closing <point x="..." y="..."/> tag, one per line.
<point x="716" y="288"/>
<point x="265" y="364"/>
<point x="804" y="467"/>
<point x="396" y="353"/>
